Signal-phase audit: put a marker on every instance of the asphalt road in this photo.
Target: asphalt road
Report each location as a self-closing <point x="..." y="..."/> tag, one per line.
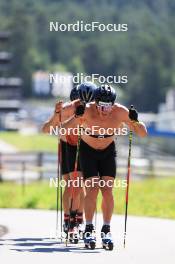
<point x="30" y="240"/>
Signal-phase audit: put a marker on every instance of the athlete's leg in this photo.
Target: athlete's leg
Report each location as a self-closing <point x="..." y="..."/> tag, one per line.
<point x="76" y="190"/>
<point x="89" y="168"/>
<point x="65" y="172"/>
<point x="107" y="169"/>
<point x="107" y="199"/>
<point x="92" y="190"/>
<point x="66" y="195"/>
<point x="81" y="204"/>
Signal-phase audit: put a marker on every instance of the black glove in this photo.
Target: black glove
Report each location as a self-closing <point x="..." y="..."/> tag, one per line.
<point x="80" y="110"/>
<point x="133" y="114"/>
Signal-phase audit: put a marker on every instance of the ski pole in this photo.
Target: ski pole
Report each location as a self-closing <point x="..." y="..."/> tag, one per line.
<point x="61" y="194"/>
<point x="58" y="184"/>
<point x="59" y="177"/>
<point x="127" y="188"/>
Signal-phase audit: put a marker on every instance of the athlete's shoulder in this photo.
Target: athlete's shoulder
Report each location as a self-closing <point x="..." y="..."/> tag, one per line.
<point x="120" y="107"/>
<point x="71" y="104"/>
<point x="67" y="104"/>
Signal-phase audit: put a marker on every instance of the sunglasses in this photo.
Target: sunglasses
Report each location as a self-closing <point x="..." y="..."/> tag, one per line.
<point x="103" y="106"/>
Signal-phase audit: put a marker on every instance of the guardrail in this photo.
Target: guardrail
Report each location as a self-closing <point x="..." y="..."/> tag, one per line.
<point x="32" y="166"/>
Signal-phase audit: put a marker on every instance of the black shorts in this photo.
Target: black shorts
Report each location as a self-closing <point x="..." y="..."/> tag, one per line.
<point x="68" y="157"/>
<point x="64" y="161"/>
<point x="97" y="162"/>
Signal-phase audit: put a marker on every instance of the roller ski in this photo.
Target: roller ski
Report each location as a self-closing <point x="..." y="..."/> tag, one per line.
<point x="89" y="237"/>
<point x="72" y="230"/>
<point x="107" y="242"/>
<point x="73" y="235"/>
<point x="66" y="223"/>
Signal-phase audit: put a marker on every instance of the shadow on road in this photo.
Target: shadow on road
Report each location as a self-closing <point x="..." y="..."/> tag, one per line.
<point x="44" y="245"/>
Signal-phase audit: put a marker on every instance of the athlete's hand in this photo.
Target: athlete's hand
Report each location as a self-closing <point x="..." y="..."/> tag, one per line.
<point x="133" y="114"/>
<point x="58" y="107"/>
<point x="80" y="109"/>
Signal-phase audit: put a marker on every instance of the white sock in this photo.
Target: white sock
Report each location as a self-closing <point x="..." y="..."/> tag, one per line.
<point x="88" y="222"/>
<point x="106" y="223"/>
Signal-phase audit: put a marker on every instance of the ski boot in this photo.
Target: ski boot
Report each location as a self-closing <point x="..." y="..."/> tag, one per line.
<point x="107" y="242"/>
<point x="73" y="234"/>
<point x="89" y="237"/>
<point x="66" y="223"/>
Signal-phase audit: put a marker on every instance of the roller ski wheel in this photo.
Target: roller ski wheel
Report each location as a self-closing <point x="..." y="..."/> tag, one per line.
<point x="89" y="237"/>
<point x="90" y="243"/>
<point x="75" y="241"/>
<point x="73" y="236"/>
<point x="107" y="244"/>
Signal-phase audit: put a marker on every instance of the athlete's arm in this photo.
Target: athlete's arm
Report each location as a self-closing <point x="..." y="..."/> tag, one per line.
<point x="77" y="118"/>
<point x="61" y="113"/>
<point x="136" y="126"/>
<point x="70" y="122"/>
<point x="55" y="119"/>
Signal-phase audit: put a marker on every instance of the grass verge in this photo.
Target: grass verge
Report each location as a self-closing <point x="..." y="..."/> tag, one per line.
<point x="151" y="197"/>
<point x="38" y="142"/>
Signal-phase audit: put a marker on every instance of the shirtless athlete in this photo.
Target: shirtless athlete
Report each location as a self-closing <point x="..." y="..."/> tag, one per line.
<point x="97" y="151"/>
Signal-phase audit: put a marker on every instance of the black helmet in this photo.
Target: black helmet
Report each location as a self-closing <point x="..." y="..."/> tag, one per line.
<point x="86" y="91"/>
<point x="105" y="93"/>
<point x="74" y="94"/>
